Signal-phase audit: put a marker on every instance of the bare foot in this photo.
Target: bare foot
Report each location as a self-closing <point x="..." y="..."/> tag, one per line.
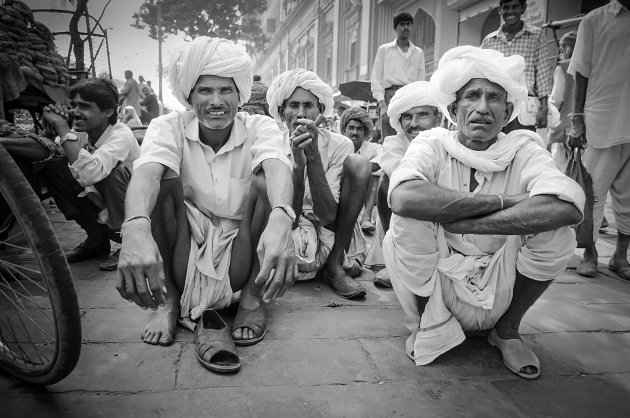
<point x="161" y="328"/>
<point x="249" y="302"/>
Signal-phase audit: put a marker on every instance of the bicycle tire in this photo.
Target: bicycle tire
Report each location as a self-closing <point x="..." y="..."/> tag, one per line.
<point x="38" y="232"/>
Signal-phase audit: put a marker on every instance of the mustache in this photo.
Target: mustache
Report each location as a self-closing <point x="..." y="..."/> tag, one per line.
<point x="482" y="119"/>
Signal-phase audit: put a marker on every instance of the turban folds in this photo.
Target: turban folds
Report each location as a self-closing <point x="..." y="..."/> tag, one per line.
<point x="356" y="113"/>
<point x="210" y="56"/>
<point x="285" y="84"/>
<point x="418" y="93"/>
<point x="461" y="64"/>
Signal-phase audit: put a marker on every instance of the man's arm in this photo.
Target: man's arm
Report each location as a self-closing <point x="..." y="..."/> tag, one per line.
<point x="56" y="116"/>
<point x="577" y="137"/>
<point x="298" y="191"/>
<point x="543" y="81"/>
<point x="376" y="78"/>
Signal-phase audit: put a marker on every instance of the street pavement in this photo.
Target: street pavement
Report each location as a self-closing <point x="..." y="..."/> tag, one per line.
<point x="324" y="356"/>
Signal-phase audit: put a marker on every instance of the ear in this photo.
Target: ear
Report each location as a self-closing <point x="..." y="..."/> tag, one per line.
<point x="452" y="110"/>
<point x="281" y="113"/>
<point x="438" y="119"/>
<point x="110" y="112"/>
<point x="509" y="109"/>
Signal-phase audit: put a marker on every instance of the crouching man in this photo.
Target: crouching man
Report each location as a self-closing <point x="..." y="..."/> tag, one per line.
<point x="480" y="219"/>
<point x="208" y="209"/>
<point x="329" y="181"/>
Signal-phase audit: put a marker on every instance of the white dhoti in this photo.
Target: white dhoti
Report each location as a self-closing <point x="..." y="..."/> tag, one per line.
<point x="207" y="275"/>
<point x="314" y="244"/>
<point x="469" y="286"/>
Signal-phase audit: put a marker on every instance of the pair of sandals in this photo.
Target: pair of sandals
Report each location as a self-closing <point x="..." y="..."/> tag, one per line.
<point x="216" y="349"/>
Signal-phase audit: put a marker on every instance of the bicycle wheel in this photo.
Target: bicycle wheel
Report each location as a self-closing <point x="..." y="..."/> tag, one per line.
<point x="40" y="325"/>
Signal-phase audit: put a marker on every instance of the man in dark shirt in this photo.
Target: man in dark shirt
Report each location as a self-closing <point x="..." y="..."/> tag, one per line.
<point x="150" y="103"/>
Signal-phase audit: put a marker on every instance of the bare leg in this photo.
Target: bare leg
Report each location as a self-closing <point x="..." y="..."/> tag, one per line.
<point x="173" y="241"/>
<point x="384" y="211"/>
<point x="356" y="173"/>
<point x="526" y="292"/>
<point x="588" y="265"/>
<point x="620" y="258"/>
<point x="370" y="202"/>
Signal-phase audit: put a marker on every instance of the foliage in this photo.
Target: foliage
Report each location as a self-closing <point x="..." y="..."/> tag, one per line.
<point x="230" y="19"/>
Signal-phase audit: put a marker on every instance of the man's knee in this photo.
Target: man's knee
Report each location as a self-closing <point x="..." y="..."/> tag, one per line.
<point x="545" y="255"/>
<point x="357" y="167"/>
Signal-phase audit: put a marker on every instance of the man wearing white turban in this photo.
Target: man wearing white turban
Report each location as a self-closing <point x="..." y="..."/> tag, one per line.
<point x="413" y="109"/>
<point x="480" y="218"/>
<point x="211" y="186"/>
<point x="329" y="181"/>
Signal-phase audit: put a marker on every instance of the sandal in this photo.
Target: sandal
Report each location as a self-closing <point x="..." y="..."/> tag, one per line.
<point x="381" y="279"/>
<point x="215" y="347"/>
<point x="623" y="272"/>
<point x="344" y="287"/>
<point x="516" y="355"/>
<point x="368" y="227"/>
<point x="253" y="319"/>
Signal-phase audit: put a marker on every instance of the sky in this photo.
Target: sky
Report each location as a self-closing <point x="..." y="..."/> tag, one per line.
<point x="130" y="48"/>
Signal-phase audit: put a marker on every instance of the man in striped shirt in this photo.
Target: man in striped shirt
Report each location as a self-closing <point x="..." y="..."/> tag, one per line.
<point x="515" y="37"/>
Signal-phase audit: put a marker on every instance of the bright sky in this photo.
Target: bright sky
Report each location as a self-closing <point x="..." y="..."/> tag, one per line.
<point x="130" y="48"/>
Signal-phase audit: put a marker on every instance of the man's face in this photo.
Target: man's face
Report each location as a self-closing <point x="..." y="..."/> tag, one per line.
<point x="481" y="111"/>
<point x="215" y="101"/>
<point x="419" y="118"/>
<point x="301" y="104"/>
<point x="565" y="51"/>
<point x="403" y="29"/>
<point x="511" y="11"/>
<point x="87" y="115"/>
<point x="355" y="130"/>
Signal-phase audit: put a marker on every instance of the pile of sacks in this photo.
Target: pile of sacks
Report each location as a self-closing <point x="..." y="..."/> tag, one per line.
<point x="31" y="44"/>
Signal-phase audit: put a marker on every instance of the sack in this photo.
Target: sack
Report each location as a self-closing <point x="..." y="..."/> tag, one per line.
<point x="529" y="111"/>
<point x="577" y="172"/>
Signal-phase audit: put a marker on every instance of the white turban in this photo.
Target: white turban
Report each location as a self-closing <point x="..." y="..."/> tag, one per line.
<point x="461" y="64"/>
<point x="210" y="56"/>
<point x="412" y="95"/>
<point x="285" y="84"/>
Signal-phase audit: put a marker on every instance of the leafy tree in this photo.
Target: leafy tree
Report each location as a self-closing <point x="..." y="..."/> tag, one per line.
<point x="230" y="19"/>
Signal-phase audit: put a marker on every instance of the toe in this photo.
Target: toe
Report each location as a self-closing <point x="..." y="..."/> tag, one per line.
<point x="165" y="340"/>
<point x="155" y="338"/>
<point x="237" y="334"/>
<point x="147" y="337"/>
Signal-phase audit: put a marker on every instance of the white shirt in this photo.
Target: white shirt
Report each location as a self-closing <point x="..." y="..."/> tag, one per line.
<point x="602" y="54"/>
<point x="95" y="163"/>
<point x="394" y="148"/>
<point x="393" y="68"/>
<point x="216" y="183"/>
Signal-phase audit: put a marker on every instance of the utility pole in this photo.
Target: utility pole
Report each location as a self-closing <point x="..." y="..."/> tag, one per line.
<point x="109" y="62"/>
<point x="159" y="28"/>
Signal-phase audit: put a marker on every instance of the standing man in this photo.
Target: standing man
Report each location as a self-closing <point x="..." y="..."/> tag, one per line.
<point x="515" y="37"/>
<point x="130" y="93"/>
<point x="600" y="65"/>
<point x="396" y="64"/>
<point x="208" y="210"/>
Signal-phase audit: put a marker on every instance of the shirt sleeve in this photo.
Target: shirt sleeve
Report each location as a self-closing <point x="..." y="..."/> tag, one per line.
<point x="559" y="85"/>
<point x="581" y="60"/>
<point x="393" y="152"/>
<point x="422" y="74"/>
<point x="269" y="142"/>
<point x="335" y="167"/>
<point x="126" y="88"/>
<point x="160" y="144"/>
<point x="378" y="92"/>
<point x="420" y="162"/>
<point x="543" y="68"/>
<point x="89" y="169"/>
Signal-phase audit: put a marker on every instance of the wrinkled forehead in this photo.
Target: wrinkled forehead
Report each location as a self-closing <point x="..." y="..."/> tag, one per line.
<point x="420" y="110"/>
<point x="482" y="84"/>
<point x="214" y="81"/>
<point x="355" y="123"/>
<point x="301" y="95"/>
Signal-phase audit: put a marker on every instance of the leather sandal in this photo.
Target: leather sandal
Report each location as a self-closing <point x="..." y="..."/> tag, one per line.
<point x="516" y="355"/>
<point x="622" y="271"/>
<point x="253" y="319"/>
<point x="215" y="348"/>
<point x="83" y="252"/>
<point x="344" y="286"/>
<point x="381" y="279"/>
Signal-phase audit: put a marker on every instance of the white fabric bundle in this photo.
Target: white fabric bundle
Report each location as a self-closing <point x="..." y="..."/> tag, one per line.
<point x="461" y="64"/>
<point x="285" y="84"/>
<point x="418" y="93"/>
<point x="210" y="56"/>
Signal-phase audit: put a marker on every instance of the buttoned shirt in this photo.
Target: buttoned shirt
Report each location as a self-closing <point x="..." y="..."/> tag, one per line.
<point x="531" y="44"/>
<point x="215" y="183"/>
<point x="95" y="162"/>
<point x="392" y="67"/>
<point x="333" y="150"/>
<point x="602" y="54"/>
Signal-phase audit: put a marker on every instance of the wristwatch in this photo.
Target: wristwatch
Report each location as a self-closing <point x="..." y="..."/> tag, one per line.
<point x="70" y="136"/>
<point x="288" y="210"/>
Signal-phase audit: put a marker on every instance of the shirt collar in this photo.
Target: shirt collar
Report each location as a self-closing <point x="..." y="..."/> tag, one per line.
<point x="237" y="135"/>
<point x="395" y="45"/>
<point x="104" y="135"/>
<point x="527" y="28"/>
<point x="615" y="7"/>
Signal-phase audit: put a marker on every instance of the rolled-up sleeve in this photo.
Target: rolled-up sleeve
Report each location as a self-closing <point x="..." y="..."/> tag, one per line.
<point x="581" y="60"/>
<point x="421" y="162"/>
<point x="393" y="152"/>
<point x="162" y="143"/>
<point x="89" y="169"/>
<point x="378" y="91"/>
<point x="268" y="143"/>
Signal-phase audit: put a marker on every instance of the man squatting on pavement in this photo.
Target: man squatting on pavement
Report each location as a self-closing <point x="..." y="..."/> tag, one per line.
<point x="88" y="168"/>
<point x="412" y="110"/>
<point x="208" y="209"/>
<point x="329" y="182"/>
<point x="480" y="219"/>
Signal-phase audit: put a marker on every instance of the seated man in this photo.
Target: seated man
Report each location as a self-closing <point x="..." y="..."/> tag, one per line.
<point x="89" y="184"/>
<point x="329" y="183"/>
<point x="211" y="190"/>
<point x="480" y="219"/>
<point x="357" y="125"/>
<point x="150" y="106"/>
<point x="412" y="110"/>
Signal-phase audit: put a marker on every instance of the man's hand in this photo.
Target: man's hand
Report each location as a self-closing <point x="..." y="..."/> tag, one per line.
<point x="140" y="262"/>
<point x="541" y="117"/>
<point x="56" y="116"/>
<point x="276" y="253"/>
<point x="577" y="133"/>
<point x="383" y="107"/>
<point x="305" y="138"/>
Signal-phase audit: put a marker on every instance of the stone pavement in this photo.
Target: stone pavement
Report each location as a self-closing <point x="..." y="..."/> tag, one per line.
<point x="328" y="357"/>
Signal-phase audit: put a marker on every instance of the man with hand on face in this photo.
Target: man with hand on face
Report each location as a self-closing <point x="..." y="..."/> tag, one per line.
<point x="515" y="37"/>
<point x="329" y="182"/>
<point x="356" y="124"/>
<point x="208" y="210"/>
<point x="480" y="223"/>
<point x="413" y="109"/>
